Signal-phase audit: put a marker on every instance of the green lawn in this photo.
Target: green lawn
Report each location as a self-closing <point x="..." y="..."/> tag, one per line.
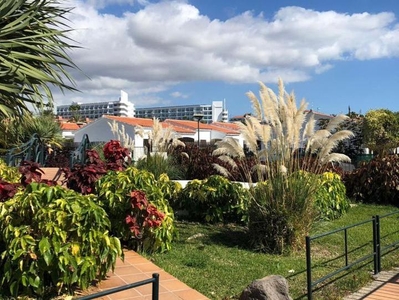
<point x="216" y="260"/>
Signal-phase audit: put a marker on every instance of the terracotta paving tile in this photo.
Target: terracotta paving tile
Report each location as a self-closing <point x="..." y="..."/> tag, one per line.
<point x="163" y="275"/>
<point x="190" y="295"/>
<point x="136" y="268"/>
<point x="119" y="263"/>
<point x="111" y="283"/>
<point x="174" y="285"/>
<point x="127" y="270"/>
<point x="146" y="290"/>
<point x="148" y="267"/>
<point x="124" y="295"/>
<point x="135" y="277"/>
<point x="136" y="260"/>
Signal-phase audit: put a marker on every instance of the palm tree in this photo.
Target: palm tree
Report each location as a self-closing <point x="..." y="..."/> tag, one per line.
<point x="33" y="54"/>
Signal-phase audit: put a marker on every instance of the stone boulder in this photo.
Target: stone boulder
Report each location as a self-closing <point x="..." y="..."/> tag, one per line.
<point x="273" y="287"/>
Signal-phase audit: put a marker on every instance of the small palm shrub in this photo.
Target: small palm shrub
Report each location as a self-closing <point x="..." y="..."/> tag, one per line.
<point x="330" y="200"/>
<point x="52" y="240"/>
<point x="376" y="181"/>
<point x="115" y="195"/>
<point x="283" y="140"/>
<point x="215" y="199"/>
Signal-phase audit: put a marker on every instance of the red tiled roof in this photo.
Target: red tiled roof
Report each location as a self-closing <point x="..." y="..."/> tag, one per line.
<point x="132" y="121"/>
<point x="69" y="126"/>
<point x="229" y="128"/>
<point x="143" y="122"/>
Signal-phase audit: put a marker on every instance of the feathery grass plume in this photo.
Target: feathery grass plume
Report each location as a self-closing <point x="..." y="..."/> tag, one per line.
<point x="332" y="141"/>
<point x="335" y="122"/>
<point x="222" y="170"/>
<point x="309" y="128"/>
<point x="228" y="160"/>
<point x="121" y="135"/>
<point x="162" y="140"/>
<point x="229" y="146"/>
<point x="289" y="144"/>
<point x="255" y="104"/>
<point x="248" y="132"/>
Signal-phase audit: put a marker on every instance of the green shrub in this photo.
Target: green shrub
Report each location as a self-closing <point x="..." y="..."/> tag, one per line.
<point x="331" y="200"/>
<point x="9" y="174"/>
<point x="53" y="239"/>
<point x="376" y="181"/>
<point x="215" y="199"/>
<point x="114" y="190"/>
<point x="157" y="164"/>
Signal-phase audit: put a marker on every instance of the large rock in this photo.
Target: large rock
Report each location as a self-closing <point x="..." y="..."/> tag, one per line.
<point x="273" y="287"/>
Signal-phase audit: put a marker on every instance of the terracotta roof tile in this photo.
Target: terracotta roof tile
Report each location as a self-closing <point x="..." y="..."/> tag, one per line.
<point x="143" y="122"/>
<point x="69" y="126"/>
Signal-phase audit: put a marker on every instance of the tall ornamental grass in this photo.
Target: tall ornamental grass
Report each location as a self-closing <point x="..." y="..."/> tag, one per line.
<point x="288" y="149"/>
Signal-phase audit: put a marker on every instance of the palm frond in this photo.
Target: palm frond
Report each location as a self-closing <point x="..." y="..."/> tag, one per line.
<point x="33" y="54"/>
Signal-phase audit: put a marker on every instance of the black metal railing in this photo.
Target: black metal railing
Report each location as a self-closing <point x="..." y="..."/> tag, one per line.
<point x="33" y="150"/>
<point x="155" y="288"/>
<point x="79" y="155"/>
<point x="373" y="255"/>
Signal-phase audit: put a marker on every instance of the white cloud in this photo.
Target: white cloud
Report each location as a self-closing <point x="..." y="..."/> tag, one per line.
<point x="171" y="41"/>
<point x="178" y="95"/>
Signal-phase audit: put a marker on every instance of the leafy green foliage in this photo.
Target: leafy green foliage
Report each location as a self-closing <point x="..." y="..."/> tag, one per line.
<point x="114" y="192"/>
<point x="376" y="181"/>
<point x="215" y="199"/>
<point x="9" y="174"/>
<point x="53" y="239"/>
<point x="381" y="130"/>
<point x="331" y="200"/>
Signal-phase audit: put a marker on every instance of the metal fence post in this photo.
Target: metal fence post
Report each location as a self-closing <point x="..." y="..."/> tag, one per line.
<point x="155" y="286"/>
<point x="375" y="245"/>
<point x="378" y="228"/>
<point x="308" y="268"/>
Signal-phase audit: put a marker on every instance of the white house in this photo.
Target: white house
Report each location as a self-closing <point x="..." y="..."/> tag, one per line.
<point x="187" y="131"/>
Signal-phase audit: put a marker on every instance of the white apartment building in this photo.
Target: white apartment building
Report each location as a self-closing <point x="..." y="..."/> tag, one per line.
<point x="214" y="112"/>
<point x="95" y="110"/>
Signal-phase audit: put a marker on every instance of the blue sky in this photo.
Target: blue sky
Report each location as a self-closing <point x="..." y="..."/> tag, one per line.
<point x="333" y="53"/>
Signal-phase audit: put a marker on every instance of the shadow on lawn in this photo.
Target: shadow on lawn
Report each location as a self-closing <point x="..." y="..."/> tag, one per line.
<point x="230" y="236"/>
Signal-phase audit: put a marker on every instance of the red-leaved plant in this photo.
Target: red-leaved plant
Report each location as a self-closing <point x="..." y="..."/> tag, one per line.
<point x="142" y="216"/>
<point x="7" y="190"/>
<point x="82" y="178"/>
<point x="116" y="155"/>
